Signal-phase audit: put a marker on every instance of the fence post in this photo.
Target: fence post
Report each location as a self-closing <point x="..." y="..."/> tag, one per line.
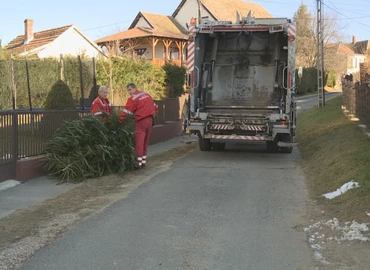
<point x="14" y="89"/>
<point x="15" y="136"/>
<point x="81" y="83"/>
<point x="367" y="109"/>
<point x="61" y="67"/>
<point x="94" y="76"/>
<point x="28" y="85"/>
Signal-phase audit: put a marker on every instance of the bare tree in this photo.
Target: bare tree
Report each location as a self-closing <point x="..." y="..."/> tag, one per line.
<point x="114" y="49"/>
<point x="307" y="35"/>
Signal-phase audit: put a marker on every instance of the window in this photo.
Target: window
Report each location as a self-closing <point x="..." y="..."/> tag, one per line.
<point x="174" y="52"/>
<point x="140" y="52"/>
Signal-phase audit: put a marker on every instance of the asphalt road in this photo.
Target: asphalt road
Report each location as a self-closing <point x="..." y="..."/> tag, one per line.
<point x="306" y="102"/>
<point x="242" y="208"/>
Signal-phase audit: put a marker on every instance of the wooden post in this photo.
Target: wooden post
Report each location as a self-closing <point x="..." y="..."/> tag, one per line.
<point x="178" y="44"/>
<point x="183" y="45"/>
<point x="153" y="42"/>
<point x="167" y="44"/>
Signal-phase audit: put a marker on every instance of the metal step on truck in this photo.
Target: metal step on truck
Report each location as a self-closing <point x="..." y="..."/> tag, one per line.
<point x="241" y="80"/>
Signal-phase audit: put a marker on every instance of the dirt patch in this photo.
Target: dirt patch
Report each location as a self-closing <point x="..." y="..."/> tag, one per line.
<point x="26" y="231"/>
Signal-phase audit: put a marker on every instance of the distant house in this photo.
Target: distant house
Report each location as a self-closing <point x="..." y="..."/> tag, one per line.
<point x="342" y="58"/>
<point x="161" y="38"/>
<point x="157" y="37"/>
<point x="66" y="40"/>
<point x="360" y="47"/>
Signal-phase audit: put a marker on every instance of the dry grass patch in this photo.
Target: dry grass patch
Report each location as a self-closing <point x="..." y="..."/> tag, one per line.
<point x="335" y="152"/>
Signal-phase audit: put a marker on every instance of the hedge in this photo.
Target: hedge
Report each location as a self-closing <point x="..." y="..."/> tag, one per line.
<point x="44" y="73"/>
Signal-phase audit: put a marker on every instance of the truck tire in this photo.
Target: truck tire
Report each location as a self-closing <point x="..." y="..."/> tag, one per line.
<point x="218" y="146"/>
<point x="204" y="144"/>
<point x="272" y="147"/>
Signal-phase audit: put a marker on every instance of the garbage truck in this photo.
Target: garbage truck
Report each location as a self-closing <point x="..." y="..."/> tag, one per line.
<point x="241" y="79"/>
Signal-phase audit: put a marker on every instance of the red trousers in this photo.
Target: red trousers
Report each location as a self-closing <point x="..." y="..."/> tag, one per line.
<point x="143" y="130"/>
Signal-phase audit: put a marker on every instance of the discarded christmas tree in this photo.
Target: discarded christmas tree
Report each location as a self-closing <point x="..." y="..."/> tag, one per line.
<point x="90" y="148"/>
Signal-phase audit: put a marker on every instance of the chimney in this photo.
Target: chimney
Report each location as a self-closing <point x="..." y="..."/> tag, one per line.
<point x="28" y="30"/>
<point x="354" y="40"/>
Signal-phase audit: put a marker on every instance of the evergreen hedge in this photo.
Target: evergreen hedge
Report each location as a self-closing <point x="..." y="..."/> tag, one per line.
<point x="60" y="97"/>
<point x="308" y="82"/>
<point x="175" y="79"/>
<point x="44" y="73"/>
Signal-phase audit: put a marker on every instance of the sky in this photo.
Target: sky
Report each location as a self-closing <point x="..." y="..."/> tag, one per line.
<point x="101" y="18"/>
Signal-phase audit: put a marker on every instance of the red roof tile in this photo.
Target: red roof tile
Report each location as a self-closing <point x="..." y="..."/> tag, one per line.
<point x="140" y="32"/>
<point x="39" y="39"/>
<point x="225" y="10"/>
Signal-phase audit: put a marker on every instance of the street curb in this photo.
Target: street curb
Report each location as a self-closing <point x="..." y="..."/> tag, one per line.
<point x="8" y="184"/>
<point x="356" y="121"/>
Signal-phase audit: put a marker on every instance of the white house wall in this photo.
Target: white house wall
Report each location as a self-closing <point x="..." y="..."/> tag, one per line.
<point x="355" y="63"/>
<point x="142" y="23"/>
<point x="189" y="10"/>
<point x="69" y="43"/>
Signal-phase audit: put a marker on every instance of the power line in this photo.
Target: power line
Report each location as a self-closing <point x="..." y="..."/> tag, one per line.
<point x="103" y="26"/>
<point x="361" y="17"/>
<point x="340" y="13"/>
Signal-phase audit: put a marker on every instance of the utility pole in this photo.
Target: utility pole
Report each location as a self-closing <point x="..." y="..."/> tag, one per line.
<point x="320" y="56"/>
<point x="199" y="11"/>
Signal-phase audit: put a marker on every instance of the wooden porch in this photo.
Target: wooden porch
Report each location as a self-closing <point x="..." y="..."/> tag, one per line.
<point x="161" y="61"/>
<point x="172" y="49"/>
<point x="159" y="50"/>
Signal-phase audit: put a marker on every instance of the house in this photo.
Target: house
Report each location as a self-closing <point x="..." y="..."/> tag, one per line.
<point x="212" y="10"/>
<point x="360" y="47"/>
<point x="66" y="40"/>
<point x="157" y="37"/>
<point x="161" y="38"/>
<point x="342" y="59"/>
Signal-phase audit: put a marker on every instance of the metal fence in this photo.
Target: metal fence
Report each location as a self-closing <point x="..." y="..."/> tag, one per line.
<point x="356" y="100"/>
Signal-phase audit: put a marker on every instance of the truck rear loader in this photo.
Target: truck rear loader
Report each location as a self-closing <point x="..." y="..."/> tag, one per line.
<point x="241" y="79"/>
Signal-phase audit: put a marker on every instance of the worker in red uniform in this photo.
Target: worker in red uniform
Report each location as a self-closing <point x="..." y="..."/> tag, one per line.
<point x="101" y="104"/>
<point x="141" y="105"/>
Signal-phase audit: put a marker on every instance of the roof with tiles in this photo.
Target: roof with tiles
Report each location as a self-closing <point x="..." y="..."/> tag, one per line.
<point x="225" y="10"/>
<point x="361" y="47"/>
<point x="40" y="38"/>
<point x="138" y="32"/>
<point x="161" y="26"/>
<point x="340" y="48"/>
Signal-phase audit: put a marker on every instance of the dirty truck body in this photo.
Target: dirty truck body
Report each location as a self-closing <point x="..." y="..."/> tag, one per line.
<point x="242" y="83"/>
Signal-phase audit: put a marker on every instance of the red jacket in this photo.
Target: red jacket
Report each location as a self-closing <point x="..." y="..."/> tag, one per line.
<point x="141" y="105"/>
<point x="100" y="106"/>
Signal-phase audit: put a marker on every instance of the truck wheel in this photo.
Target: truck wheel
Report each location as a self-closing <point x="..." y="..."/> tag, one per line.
<point x="218" y="146"/>
<point x="204" y="144"/>
<point x="272" y="147"/>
